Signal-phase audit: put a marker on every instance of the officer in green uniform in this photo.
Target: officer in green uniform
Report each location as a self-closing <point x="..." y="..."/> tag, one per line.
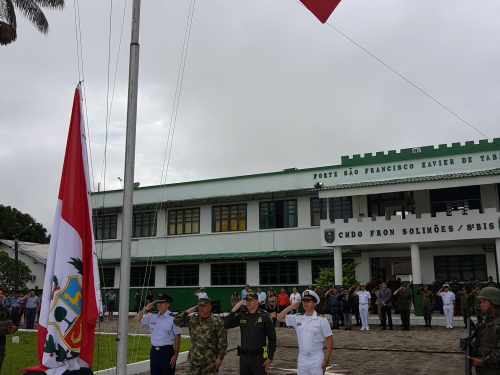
<point x="255" y="325"/>
<point x="455" y="287"/>
<point x="486" y="345"/>
<point x="476" y="304"/>
<point x="465" y="306"/>
<point x="427" y="302"/>
<point x="405" y="302"/>
<point x="6" y="328"/>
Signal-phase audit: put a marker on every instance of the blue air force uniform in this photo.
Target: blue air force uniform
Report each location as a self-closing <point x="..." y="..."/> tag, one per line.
<point x="163" y="332"/>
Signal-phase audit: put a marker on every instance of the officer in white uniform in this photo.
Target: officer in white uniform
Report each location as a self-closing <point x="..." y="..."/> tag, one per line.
<point x="448" y="304"/>
<point x="312" y="329"/>
<point x="165" y="336"/>
<point x="364" y="303"/>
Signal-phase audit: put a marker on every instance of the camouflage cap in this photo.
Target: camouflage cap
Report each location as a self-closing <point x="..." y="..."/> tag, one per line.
<point x="204" y="301"/>
<point x="162" y="297"/>
<point x="251" y="295"/>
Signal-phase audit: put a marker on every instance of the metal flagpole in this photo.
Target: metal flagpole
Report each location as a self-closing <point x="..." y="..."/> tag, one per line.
<point x="123" y="306"/>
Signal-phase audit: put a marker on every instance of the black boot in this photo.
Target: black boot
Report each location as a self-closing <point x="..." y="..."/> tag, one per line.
<point x="426" y="323"/>
<point x="430" y="324"/>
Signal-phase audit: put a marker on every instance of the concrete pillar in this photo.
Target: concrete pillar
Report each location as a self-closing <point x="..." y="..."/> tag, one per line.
<point x="497" y="249"/>
<point x="337" y="261"/>
<point x="417" y="276"/>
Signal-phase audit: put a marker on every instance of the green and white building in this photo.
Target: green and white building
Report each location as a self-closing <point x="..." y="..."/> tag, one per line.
<point x="419" y="213"/>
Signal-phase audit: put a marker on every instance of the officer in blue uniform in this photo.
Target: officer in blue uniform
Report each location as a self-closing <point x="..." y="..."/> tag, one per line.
<point x="165" y="335"/>
<point x="15" y="303"/>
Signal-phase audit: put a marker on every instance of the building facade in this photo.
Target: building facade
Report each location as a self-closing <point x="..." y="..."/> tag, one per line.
<point x="419" y="213"/>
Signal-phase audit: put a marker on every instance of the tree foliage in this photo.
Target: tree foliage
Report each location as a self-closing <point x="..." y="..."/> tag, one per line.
<point x="326" y="277"/>
<point x="31" y="10"/>
<point x="7" y="273"/>
<point x="13" y="222"/>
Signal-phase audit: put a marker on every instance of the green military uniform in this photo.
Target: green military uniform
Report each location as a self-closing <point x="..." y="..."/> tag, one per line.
<point x="320" y="307"/>
<point x="208" y="341"/>
<point x="254" y="329"/>
<point x="465" y="306"/>
<point x="405" y="298"/>
<point x="455" y="287"/>
<point x="476" y="306"/>
<point x="4" y="325"/>
<point x="427" y="302"/>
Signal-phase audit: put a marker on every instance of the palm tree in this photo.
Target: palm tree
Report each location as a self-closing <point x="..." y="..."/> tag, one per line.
<point x="29" y="9"/>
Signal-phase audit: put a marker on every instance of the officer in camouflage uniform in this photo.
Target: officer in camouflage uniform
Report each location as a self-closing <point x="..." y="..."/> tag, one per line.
<point x="427" y="302"/>
<point x="208" y="344"/>
<point x="255" y="325"/>
<point x="405" y="302"/>
<point x="455" y="287"/>
<point x="6" y="328"/>
<point x="476" y="304"/>
<point x="491" y="283"/>
<point x="465" y="306"/>
<point x="320" y="307"/>
<point x="486" y="345"/>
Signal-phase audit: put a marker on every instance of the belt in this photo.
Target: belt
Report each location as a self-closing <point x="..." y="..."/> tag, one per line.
<point x="448" y="304"/>
<point x="251" y="353"/>
<point x="13" y="308"/>
<point x="161" y="347"/>
<point x="311" y="353"/>
<point x="363" y="304"/>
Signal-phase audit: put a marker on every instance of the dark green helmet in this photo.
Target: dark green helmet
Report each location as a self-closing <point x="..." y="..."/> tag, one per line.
<point x="491" y="294"/>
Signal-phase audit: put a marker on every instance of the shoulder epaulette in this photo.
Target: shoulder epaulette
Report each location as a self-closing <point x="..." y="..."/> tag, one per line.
<point x="321" y="315"/>
<point x="172" y="314"/>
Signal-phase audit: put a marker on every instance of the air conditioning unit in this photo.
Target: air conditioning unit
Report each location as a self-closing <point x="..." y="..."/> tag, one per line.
<point x="32" y="277"/>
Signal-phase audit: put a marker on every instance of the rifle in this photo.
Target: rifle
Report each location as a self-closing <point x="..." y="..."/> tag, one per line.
<point x="466" y="346"/>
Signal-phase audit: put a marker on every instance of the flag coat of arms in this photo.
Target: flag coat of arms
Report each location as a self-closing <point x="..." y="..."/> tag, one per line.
<point x="71" y="298"/>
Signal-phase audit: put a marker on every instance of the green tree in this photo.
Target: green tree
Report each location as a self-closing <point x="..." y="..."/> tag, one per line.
<point x="7" y="272"/>
<point x="13" y="222"/>
<point x="326" y="277"/>
<point x="30" y="9"/>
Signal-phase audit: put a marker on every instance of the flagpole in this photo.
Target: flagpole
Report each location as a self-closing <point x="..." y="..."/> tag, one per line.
<point x="128" y="191"/>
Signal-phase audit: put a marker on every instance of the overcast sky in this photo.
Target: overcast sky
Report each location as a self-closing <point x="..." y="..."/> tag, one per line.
<point x="266" y="87"/>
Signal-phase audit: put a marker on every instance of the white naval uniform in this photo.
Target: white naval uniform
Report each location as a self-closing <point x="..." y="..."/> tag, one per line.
<point x="364" y="298"/>
<point x="448" y="298"/>
<point x="311" y="332"/>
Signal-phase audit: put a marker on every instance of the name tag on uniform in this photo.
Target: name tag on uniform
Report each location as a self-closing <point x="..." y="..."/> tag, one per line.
<point x="154" y="323"/>
<point x="299" y="323"/>
<point x="243" y="321"/>
<point x="167" y="325"/>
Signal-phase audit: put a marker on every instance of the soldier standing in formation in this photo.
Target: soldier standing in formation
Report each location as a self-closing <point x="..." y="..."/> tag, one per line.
<point x="486" y="346"/>
<point x="448" y="299"/>
<point x="255" y="325"/>
<point x="14" y="302"/>
<point x="364" y="302"/>
<point x="491" y="283"/>
<point x="427" y="302"/>
<point x="455" y="287"/>
<point x="164" y="334"/>
<point x="465" y="306"/>
<point x="208" y="338"/>
<point x="476" y="304"/>
<point x="335" y="302"/>
<point x="6" y="328"/>
<point x="311" y="329"/>
<point x="405" y="302"/>
<point x="320" y="307"/>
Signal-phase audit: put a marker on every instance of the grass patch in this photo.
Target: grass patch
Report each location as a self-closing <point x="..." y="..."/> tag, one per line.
<point x="24" y="354"/>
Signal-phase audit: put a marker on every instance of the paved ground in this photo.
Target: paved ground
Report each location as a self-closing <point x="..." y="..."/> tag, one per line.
<point x="419" y="351"/>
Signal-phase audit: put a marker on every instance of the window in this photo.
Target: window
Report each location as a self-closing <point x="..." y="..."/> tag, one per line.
<point x="107" y="277"/>
<point x="229" y="274"/>
<point x="184" y="221"/>
<point x="278" y="214"/>
<point x="182" y="275"/>
<point x="318" y="211"/>
<point x="229" y="218"/>
<point x="341" y="208"/>
<point x="463" y="267"/>
<point x="105" y="227"/>
<point x="455" y="199"/>
<point x="144" y="224"/>
<point x="140" y="276"/>
<point x="278" y="273"/>
<point x="316" y="265"/>
<point x="387" y="204"/>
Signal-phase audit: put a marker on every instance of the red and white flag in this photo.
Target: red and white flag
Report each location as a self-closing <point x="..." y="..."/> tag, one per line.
<point x="71" y="298"/>
<point x="322" y="9"/>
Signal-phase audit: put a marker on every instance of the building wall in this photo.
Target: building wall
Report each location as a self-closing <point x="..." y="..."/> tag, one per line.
<point x="37" y="269"/>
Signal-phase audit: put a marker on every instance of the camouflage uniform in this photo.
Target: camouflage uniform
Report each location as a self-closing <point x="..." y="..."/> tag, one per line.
<point x="487" y="345"/>
<point x="455" y="288"/>
<point x="320" y="307"/>
<point x="427" y="302"/>
<point x="476" y="305"/>
<point x="208" y="341"/>
<point x="404" y="302"/>
<point x="4" y="324"/>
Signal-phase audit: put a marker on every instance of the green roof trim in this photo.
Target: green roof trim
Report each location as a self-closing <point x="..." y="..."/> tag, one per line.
<point x="425" y="152"/>
<point x="229" y="256"/>
<point x="487" y="172"/>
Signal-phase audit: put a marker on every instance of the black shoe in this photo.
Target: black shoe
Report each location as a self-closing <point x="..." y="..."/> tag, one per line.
<point x="390" y="328"/>
<point x="383" y="329"/>
<point x="346" y="329"/>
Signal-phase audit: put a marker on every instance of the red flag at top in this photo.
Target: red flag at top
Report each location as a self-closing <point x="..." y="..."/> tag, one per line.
<point x="322" y="9"/>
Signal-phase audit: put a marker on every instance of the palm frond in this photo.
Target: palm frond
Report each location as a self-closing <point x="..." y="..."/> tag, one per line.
<point x="50" y="4"/>
<point x="32" y="12"/>
<point x="7" y="13"/>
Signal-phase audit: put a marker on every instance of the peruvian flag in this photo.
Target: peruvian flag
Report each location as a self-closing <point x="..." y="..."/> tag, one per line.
<point x="322" y="9"/>
<point x="71" y="299"/>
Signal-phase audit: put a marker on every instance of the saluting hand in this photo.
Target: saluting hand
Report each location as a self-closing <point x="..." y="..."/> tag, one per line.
<point x="150" y="305"/>
<point x="295" y="305"/>
<point x="238" y="305"/>
<point x="192" y="309"/>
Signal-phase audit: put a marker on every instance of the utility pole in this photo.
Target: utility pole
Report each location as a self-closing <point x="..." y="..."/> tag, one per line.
<point x="16" y="258"/>
<point x="128" y="191"/>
